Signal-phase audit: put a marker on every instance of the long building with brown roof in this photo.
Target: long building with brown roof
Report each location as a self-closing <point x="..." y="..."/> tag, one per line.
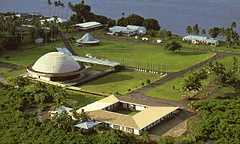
<point x="106" y="111"/>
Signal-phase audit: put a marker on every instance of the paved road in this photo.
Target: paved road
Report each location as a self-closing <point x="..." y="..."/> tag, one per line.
<point x="139" y="96"/>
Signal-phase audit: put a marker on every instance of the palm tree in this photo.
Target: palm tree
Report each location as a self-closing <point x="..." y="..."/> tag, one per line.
<point x="189" y="29"/>
<point x="234" y="25"/>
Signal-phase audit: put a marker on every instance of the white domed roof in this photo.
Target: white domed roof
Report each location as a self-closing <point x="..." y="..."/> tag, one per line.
<point x="55" y="62"/>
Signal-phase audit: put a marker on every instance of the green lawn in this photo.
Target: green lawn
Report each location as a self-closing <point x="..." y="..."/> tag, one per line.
<point x="4" y="70"/>
<point x="77" y="100"/>
<point x="228" y="61"/>
<point x="144" y="55"/>
<point x="28" y="54"/>
<point x="126" y="52"/>
<point x="119" y="82"/>
<point x="171" y="90"/>
<point x="8" y="73"/>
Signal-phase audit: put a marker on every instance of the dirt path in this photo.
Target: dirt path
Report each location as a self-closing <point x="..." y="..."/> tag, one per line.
<point x="2" y="78"/>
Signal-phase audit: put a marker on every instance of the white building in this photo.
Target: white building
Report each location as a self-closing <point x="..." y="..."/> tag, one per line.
<point x="88" y="39"/>
<point x="88" y="25"/>
<point x="56" y="66"/>
<point x="105" y="111"/>
<point x="53" y="19"/>
<point x="128" y="30"/>
<point x="195" y="39"/>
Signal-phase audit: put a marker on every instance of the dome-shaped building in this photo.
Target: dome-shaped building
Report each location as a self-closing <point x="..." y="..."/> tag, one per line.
<point x="56" y="66"/>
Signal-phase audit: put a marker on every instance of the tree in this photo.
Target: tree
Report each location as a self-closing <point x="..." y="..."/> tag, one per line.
<point x="151" y="24"/>
<point x="135" y="20"/>
<point x="19" y="81"/>
<point x="173" y="46"/>
<point x="234" y="25"/>
<point x="214" y="32"/>
<point x="196" y="29"/>
<point x="63" y="121"/>
<point x="194" y="81"/>
<point x="49" y="2"/>
<point x="131" y="20"/>
<point x="232" y="37"/>
<point x="203" y="32"/>
<point x="225" y="77"/>
<point x="111" y="23"/>
<point x="82" y="11"/>
<point x="83" y="116"/>
<point x="122" y="22"/>
<point x="165" y="33"/>
<point x="123" y="14"/>
<point x="83" y="14"/>
<point x="189" y="30"/>
<point x="10" y="42"/>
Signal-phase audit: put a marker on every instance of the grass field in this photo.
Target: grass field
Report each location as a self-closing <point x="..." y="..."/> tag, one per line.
<point x="228" y="61"/>
<point x="4" y="70"/>
<point x="8" y="73"/>
<point x="28" y="54"/>
<point x="130" y="53"/>
<point x="77" y="100"/>
<point x="119" y="82"/>
<point x="173" y="89"/>
<point x="144" y="55"/>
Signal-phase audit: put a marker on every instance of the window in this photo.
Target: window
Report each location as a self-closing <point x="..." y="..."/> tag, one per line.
<point x="116" y="127"/>
<point x="130" y="130"/>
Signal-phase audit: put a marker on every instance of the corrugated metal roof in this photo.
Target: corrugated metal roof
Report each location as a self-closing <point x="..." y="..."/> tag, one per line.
<point x="87" y="124"/>
<point x="89" y="24"/>
<point x="200" y="38"/>
<point x="88" y="39"/>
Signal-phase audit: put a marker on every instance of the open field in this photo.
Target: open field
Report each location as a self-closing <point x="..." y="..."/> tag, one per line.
<point x="119" y="82"/>
<point x="144" y="55"/>
<point x="130" y="53"/>
<point x="173" y="90"/>
<point x="28" y="54"/>
<point x="127" y="52"/>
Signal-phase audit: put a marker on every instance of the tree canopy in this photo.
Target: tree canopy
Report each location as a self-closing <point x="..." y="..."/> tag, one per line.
<point x="19" y="120"/>
<point x="173" y="46"/>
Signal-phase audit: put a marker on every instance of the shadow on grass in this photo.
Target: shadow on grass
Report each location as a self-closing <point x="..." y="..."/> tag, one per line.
<point x="115" y="77"/>
<point x="229" y="95"/>
<point x="187" y="53"/>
